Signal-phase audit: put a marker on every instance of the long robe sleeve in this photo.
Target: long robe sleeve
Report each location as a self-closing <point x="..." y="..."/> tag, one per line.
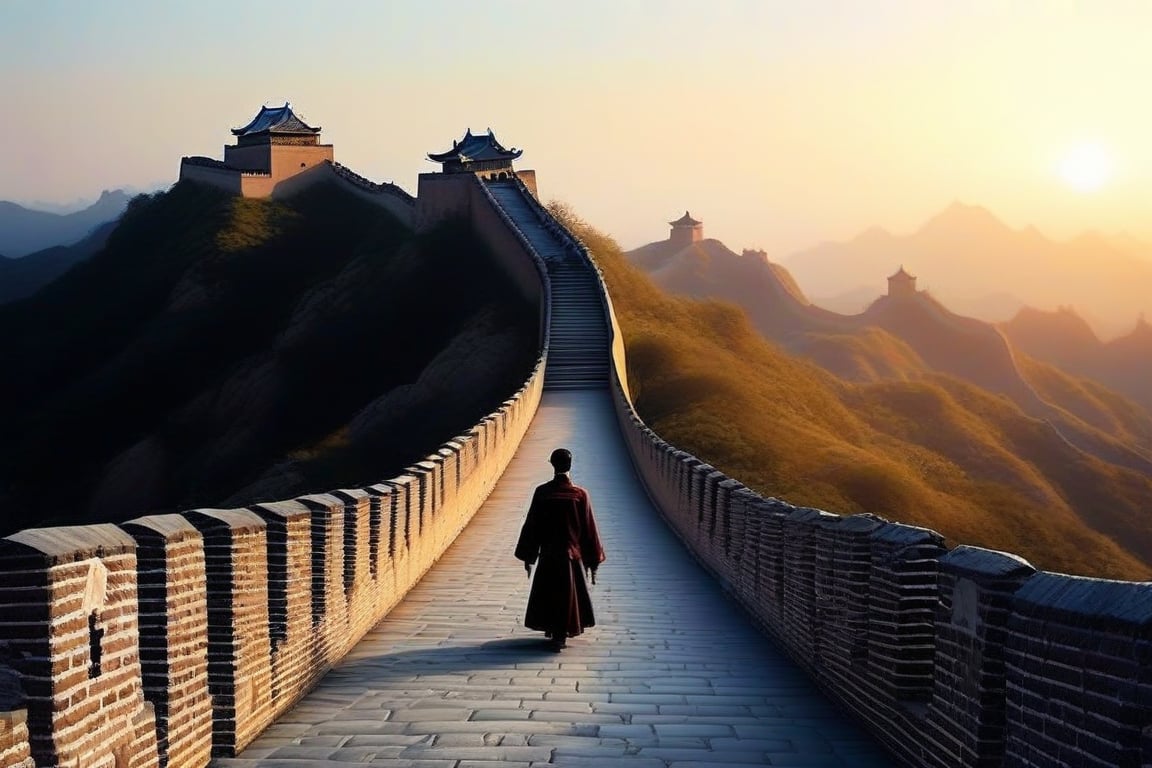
<point x="528" y="545"/>
<point x="591" y="550"/>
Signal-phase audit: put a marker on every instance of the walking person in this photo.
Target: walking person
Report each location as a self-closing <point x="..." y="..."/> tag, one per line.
<point x="560" y="532"/>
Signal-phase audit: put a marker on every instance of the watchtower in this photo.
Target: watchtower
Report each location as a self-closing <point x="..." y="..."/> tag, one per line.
<point x="902" y="285"/>
<point x="481" y="154"/>
<point x="686" y="230"/>
<point x="278" y="142"/>
<point x="274" y="147"/>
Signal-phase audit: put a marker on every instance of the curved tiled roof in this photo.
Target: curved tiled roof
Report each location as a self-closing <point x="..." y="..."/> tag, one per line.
<point x="474" y="147"/>
<point x="685" y="221"/>
<point x="275" y="120"/>
<point x="902" y="274"/>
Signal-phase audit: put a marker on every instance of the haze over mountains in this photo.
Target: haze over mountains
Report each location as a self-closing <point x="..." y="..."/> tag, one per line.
<point x="24" y="276"/>
<point x="979" y="266"/>
<point x="958" y="383"/>
<point x="24" y="231"/>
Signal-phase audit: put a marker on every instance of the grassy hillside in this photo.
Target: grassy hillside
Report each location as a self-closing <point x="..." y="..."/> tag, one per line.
<point x="222" y="350"/>
<point x="934" y="452"/>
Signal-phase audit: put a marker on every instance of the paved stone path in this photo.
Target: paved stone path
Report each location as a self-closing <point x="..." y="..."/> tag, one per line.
<point x="673" y="675"/>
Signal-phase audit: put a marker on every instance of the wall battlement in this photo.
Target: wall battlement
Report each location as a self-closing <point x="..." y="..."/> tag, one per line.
<point x="266" y="184"/>
<point x="174" y="638"/>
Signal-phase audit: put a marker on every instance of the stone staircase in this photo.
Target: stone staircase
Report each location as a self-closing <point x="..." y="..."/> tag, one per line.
<point x="578" y="341"/>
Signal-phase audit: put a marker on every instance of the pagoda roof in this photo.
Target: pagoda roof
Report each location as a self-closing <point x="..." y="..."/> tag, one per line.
<point x="474" y="147"/>
<point x="275" y="120"/>
<point x="902" y="274"/>
<point x="685" y="221"/>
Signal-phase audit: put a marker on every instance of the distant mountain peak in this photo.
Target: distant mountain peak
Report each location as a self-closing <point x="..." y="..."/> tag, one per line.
<point x="962" y="217"/>
<point x="873" y="235"/>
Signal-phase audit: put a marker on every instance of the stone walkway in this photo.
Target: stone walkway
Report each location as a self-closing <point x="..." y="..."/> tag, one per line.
<point x="673" y="675"/>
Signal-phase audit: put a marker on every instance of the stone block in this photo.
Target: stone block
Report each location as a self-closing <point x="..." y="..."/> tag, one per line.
<point x="174" y="636"/>
<point x="239" y="646"/>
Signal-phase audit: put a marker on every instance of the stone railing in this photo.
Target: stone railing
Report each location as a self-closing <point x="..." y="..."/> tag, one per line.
<point x="357" y="180"/>
<point x="962" y="657"/>
<point x="172" y="638"/>
<point x="219" y="165"/>
<point x="526" y="245"/>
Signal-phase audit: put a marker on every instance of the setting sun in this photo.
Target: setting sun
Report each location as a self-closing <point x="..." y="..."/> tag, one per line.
<point x="1086" y="167"/>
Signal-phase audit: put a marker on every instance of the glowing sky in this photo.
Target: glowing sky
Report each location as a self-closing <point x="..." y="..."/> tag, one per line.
<point x="778" y="123"/>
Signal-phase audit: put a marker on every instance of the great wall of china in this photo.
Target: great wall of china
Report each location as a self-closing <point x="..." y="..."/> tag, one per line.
<point x="173" y="638"/>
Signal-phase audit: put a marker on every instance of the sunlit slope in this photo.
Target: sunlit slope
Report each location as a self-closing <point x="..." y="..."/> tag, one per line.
<point x="222" y="350"/>
<point x="935" y="452"/>
<point x="709" y="269"/>
<point x="864" y="354"/>
<point x="894" y="338"/>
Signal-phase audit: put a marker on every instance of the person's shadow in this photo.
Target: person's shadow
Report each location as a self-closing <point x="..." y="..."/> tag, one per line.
<point x="504" y="653"/>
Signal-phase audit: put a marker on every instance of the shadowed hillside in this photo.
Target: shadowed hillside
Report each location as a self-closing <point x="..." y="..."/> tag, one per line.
<point x="223" y="350"/>
<point x="934" y="451"/>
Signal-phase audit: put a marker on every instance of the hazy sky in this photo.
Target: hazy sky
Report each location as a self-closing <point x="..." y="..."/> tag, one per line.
<point x="778" y="123"/>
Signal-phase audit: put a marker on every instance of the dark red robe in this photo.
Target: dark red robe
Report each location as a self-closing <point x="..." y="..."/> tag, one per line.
<point x="561" y="531"/>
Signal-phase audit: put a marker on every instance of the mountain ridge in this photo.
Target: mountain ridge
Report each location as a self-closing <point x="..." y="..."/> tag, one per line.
<point x="966" y="254"/>
<point x="928" y="450"/>
<point x="24" y="230"/>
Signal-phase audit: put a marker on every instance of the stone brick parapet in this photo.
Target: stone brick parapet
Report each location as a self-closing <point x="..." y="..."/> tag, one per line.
<point x="69" y="618"/>
<point x="962" y="657"/>
<point x="173" y="638"/>
<point x="15" y="751"/>
<point x="174" y="635"/>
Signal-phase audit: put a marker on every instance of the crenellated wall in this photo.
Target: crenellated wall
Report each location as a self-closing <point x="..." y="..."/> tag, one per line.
<point x="962" y="657"/>
<point x="290" y="180"/>
<point x="173" y="638"/>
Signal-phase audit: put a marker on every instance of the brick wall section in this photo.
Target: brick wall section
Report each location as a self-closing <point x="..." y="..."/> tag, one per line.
<point x="173" y="635"/>
<point x="70" y="621"/>
<point x="961" y="658"/>
<point x="404" y="515"/>
<point x="902" y="586"/>
<point x="295" y="660"/>
<point x="362" y="589"/>
<point x="1078" y="664"/>
<point x="446" y="196"/>
<point x="967" y="718"/>
<point x="329" y="593"/>
<point x="15" y="751"/>
<point x="842" y="587"/>
<point x="239" y="661"/>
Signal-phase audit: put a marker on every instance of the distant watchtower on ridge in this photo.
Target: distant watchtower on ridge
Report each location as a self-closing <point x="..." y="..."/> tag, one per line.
<point x="276" y="137"/>
<point x="274" y="147"/>
<point x="902" y="285"/>
<point x="686" y="230"/>
<point x="451" y="192"/>
<point x="481" y="154"/>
